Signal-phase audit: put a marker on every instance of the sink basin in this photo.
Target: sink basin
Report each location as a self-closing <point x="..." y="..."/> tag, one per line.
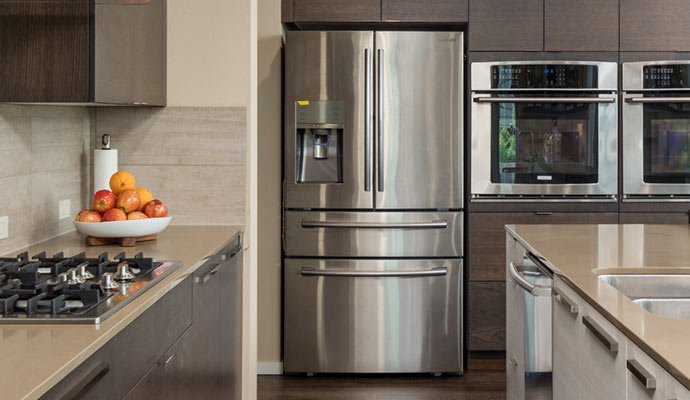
<point x="668" y="308"/>
<point x="664" y="295"/>
<point x="650" y="286"/>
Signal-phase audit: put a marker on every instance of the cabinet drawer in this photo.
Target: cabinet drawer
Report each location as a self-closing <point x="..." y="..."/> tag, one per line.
<point x="380" y="234"/>
<point x="424" y="11"/>
<point x="654" y="218"/>
<point x="487" y="261"/>
<point x="675" y="390"/>
<point x="643" y="373"/>
<point x="486" y="319"/>
<point x="337" y="10"/>
<point x="133" y="351"/>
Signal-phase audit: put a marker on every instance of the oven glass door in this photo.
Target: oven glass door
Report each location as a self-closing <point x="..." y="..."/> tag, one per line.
<point x="666" y="142"/>
<point x="544" y="142"/>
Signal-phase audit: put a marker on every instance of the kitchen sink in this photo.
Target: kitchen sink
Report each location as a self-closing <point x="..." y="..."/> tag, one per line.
<point x="668" y="308"/>
<point x="665" y="295"/>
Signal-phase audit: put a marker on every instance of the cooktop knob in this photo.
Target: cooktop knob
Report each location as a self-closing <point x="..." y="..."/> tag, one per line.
<point x="108" y="283"/>
<point x="83" y="272"/>
<point x="123" y="273"/>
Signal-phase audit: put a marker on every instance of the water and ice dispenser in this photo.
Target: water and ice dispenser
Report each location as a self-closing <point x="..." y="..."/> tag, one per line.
<point x="319" y="141"/>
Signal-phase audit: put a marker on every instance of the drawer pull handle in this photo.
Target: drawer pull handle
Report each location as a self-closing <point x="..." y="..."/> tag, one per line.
<point x="643" y="376"/>
<point x="85" y="384"/>
<point x="569" y="305"/>
<point x="439" y="224"/>
<point x="534" y="290"/>
<point x="374" y="274"/>
<point x="207" y="277"/>
<point x="608" y="341"/>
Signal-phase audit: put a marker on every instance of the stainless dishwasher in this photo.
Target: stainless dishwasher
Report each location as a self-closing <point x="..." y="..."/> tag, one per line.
<point x="528" y="325"/>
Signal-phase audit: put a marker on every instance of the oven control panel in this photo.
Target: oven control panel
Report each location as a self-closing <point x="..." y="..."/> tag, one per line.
<point x="676" y="76"/>
<point x="543" y="76"/>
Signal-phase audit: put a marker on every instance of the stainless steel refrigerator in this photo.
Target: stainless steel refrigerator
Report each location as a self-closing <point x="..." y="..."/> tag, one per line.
<point x="373" y="198"/>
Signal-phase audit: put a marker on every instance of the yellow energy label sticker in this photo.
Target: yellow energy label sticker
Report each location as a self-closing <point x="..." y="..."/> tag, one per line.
<point x="303" y="102"/>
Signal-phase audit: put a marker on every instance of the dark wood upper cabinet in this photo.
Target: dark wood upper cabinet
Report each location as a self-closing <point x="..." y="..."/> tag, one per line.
<point x="44" y="52"/>
<point x="506" y="25"/>
<point x="83" y="51"/>
<point x="424" y="11"/>
<point x="337" y="10"/>
<point x="651" y="25"/>
<point x="581" y="25"/>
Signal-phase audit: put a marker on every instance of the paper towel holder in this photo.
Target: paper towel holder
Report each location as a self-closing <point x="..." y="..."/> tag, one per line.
<point x="105" y="141"/>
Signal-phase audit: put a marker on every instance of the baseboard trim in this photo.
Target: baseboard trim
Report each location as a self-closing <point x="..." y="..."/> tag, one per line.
<point x="269" y="368"/>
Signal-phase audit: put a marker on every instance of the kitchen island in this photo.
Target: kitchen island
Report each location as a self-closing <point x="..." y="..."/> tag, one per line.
<point x="38" y="357"/>
<point x="623" y="351"/>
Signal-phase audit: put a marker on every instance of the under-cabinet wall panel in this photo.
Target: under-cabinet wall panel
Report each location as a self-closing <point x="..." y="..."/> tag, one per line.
<point x="424" y="11"/>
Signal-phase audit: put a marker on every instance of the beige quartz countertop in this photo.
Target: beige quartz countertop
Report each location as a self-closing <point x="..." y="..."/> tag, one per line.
<point x="579" y="253"/>
<point x="33" y="358"/>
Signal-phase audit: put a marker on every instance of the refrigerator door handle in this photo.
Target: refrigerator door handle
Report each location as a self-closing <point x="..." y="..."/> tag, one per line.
<point x="367" y="120"/>
<point x="438" y="224"/>
<point x="374" y="274"/>
<point x="379" y="99"/>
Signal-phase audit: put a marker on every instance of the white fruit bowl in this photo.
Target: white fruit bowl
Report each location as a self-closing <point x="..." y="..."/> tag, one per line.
<point x="122" y="229"/>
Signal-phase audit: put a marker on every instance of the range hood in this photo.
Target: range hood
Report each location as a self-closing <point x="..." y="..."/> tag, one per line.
<point x="83" y="52"/>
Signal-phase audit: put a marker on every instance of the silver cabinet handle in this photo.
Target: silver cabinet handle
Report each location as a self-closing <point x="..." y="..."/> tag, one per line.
<point x="207" y="277"/>
<point x="374" y="274"/>
<point x="544" y="99"/>
<point x="379" y="117"/>
<point x="367" y="121"/>
<point x="658" y="100"/>
<point x="438" y="224"/>
<point x="603" y="336"/>
<point x="646" y="379"/>
<point x="569" y="305"/>
<point x="523" y="283"/>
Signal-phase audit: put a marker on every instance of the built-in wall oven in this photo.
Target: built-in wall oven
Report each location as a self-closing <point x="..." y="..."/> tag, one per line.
<point x="656" y="131"/>
<point x="544" y="131"/>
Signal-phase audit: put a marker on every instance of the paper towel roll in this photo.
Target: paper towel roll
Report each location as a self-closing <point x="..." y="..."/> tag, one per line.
<point x="104" y="166"/>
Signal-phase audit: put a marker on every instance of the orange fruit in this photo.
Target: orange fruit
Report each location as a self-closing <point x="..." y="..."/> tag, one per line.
<point x="120" y="181"/>
<point x="145" y="197"/>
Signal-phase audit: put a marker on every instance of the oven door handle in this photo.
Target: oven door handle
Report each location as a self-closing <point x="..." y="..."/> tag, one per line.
<point x="658" y="100"/>
<point x="436" y="224"/>
<point x="442" y="271"/>
<point x="545" y="99"/>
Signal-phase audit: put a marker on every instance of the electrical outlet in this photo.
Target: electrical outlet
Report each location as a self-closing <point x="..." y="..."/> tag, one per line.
<point x="64" y="209"/>
<point x="4" y="227"/>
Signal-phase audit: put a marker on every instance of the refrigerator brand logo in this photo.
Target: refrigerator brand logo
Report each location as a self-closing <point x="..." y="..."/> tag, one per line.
<point x="447" y="40"/>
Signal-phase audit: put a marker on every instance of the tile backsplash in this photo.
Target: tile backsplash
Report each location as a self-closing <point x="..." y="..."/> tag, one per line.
<point x="44" y="158"/>
<point x="193" y="158"/>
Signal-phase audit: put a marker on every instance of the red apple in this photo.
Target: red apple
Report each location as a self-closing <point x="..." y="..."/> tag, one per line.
<point x="114" y="214"/>
<point x="136" y="215"/>
<point x="156" y="209"/>
<point x="104" y="200"/>
<point x="88" y="216"/>
<point x="128" y="200"/>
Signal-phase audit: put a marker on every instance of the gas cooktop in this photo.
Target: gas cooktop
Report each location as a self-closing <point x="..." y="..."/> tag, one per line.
<point x="75" y="289"/>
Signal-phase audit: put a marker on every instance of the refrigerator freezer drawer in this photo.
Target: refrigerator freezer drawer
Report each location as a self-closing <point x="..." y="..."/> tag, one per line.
<point x="372" y="316"/>
<point x="373" y="234"/>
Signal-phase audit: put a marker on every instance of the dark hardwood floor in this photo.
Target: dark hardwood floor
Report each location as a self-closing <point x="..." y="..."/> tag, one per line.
<point x="484" y="380"/>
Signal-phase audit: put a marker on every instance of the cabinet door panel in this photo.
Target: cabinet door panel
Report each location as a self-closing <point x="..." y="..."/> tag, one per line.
<point x="568" y="362"/>
<point x="675" y="390"/>
<point x="424" y="11"/>
<point x="654" y="218"/>
<point x="486" y="316"/>
<point x="337" y="10"/>
<point x="650" y="25"/>
<point x="634" y="388"/>
<point x="487" y="242"/>
<point x="581" y="25"/>
<point x="509" y="25"/>
<point x="286" y="11"/>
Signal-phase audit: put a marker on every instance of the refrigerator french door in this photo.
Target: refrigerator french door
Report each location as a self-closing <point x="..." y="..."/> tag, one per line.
<point x="656" y="131"/>
<point x="372" y="226"/>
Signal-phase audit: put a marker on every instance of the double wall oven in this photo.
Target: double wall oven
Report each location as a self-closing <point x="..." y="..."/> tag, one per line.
<point x="544" y="131"/>
<point x="656" y="131"/>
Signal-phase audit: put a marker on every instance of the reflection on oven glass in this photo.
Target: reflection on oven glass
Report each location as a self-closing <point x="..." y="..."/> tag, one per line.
<point x="545" y="143"/>
<point x="669" y="152"/>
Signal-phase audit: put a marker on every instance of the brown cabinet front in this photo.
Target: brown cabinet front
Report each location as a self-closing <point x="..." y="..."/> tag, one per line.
<point x="581" y="25"/>
<point x="487" y="237"/>
<point x="44" y="48"/>
<point x="424" y="11"/>
<point x="486" y="317"/>
<point x="650" y="25"/>
<point x="337" y="10"/>
<point x="655" y="218"/>
<point x="506" y="25"/>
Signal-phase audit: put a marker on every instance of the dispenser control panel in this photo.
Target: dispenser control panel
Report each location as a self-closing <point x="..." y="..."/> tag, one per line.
<point x="320" y="112"/>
